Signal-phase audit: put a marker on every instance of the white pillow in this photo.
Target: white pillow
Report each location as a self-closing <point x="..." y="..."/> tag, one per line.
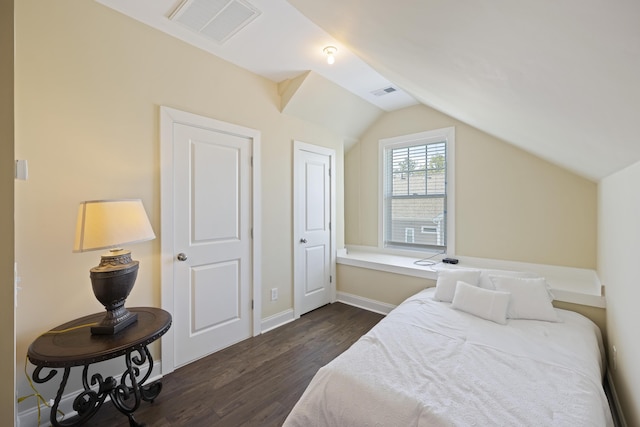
<point x="447" y="279"/>
<point x="484" y="303"/>
<point x="530" y="298"/>
<point x="485" y="277"/>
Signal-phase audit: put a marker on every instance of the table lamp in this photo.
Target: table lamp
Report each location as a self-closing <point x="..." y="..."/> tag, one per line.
<point x="109" y="224"/>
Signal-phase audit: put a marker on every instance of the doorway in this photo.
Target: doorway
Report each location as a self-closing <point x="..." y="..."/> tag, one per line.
<point x="314" y="227"/>
<point x="210" y="235"/>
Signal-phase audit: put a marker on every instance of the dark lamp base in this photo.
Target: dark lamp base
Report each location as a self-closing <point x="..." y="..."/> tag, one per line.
<point x="112" y="281"/>
<point x="110" y="329"/>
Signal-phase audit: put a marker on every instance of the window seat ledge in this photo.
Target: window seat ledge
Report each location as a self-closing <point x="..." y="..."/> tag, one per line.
<point x="385" y="262"/>
<point x="568" y="284"/>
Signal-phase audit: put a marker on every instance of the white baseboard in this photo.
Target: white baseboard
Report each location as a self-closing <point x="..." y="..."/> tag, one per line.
<point x="616" y="402"/>
<point x="365" y="303"/>
<point x="277" y="320"/>
<point x="29" y="417"/>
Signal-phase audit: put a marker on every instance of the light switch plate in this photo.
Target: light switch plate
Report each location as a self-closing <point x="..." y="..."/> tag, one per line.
<point x="22" y="170"/>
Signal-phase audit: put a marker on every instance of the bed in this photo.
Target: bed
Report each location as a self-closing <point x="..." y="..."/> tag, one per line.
<point x="440" y="360"/>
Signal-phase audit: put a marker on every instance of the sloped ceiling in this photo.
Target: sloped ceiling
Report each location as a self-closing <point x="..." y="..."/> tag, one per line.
<point x="318" y="100"/>
<point x="558" y="79"/>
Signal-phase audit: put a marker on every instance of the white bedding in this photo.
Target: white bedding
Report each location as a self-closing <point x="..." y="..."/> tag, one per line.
<point x="426" y="364"/>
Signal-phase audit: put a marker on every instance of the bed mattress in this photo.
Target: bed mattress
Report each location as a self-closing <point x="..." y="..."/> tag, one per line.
<point x="426" y="364"/>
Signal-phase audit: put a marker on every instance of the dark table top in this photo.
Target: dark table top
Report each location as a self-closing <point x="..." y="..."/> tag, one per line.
<point x="79" y="347"/>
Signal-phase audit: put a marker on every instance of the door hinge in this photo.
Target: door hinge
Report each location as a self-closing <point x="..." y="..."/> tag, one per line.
<point x="329" y="171"/>
<point x="251" y="233"/>
<point x="251" y="304"/>
<point x="330" y="279"/>
<point x="329" y="225"/>
<point x="251" y="161"/>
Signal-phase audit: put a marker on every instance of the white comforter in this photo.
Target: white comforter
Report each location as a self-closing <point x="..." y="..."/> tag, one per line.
<point x="427" y="364"/>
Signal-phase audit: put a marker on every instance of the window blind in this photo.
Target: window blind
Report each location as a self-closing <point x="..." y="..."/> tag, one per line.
<point x="415" y="196"/>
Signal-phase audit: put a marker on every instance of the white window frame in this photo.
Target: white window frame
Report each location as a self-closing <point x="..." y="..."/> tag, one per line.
<point x="438" y="135"/>
<point x="429" y="229"/>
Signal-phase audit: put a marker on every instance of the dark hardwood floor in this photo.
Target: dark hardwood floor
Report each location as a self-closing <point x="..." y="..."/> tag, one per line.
<point x="255" y="382"/>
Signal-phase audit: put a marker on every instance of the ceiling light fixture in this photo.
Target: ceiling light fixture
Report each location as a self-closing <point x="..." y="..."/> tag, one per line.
<point x="330" y="51"/>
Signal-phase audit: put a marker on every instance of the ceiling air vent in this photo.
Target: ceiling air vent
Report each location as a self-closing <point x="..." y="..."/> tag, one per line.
<point x="384" y="91"/>
<point x="215" y="19"/>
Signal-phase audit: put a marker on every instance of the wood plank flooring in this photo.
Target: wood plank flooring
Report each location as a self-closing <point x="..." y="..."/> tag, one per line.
<point x="255" y="382"/>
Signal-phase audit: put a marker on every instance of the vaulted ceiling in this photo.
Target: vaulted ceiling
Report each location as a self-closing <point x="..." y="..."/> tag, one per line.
<point x="558" y="79"/>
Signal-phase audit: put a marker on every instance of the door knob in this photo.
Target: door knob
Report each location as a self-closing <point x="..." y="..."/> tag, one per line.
<point x="182" y="256"/>
<point x="303" y="240"/>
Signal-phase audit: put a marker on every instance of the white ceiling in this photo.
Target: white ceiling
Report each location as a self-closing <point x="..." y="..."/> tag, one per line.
<point x="558" y="79"/>
<point x="280" y="44"/>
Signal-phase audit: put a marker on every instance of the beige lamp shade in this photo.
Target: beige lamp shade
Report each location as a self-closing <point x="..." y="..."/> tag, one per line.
<point x="104" y="224"/>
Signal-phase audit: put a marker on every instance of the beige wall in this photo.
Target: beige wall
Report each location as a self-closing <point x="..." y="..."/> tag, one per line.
<point x="510" y="205"/>
<point x="381" y="286"/>
<point x="596" y="314"/>
<point x="89" y="84"/>
<point x="618" y="255"/>
<point x="7" y="312"/>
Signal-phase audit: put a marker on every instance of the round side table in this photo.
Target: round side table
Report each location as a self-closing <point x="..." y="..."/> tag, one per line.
<point x="72" y="344"/>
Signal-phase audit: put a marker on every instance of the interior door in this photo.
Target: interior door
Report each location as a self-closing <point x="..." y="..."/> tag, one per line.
<point x="313" y="238"/>
<point x="212" y="241"/>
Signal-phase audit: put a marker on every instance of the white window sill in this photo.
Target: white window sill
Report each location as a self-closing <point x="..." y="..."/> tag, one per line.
<point x="385" y="262"/>
<point x="568" y="284"/>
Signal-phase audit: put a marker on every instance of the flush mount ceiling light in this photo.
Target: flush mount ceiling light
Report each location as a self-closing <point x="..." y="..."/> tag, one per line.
<point x="330" y="51"/>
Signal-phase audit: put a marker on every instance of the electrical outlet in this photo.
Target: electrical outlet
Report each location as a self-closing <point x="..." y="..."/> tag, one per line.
<point x="615" y="358"/>
<point x="274" y="294"/>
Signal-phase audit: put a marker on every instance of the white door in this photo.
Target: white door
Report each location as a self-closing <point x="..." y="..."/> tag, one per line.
<point x="313" y="240"/>
<point x="212" y="243"/>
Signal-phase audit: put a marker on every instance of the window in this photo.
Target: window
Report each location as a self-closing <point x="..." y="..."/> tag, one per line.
<point x="409" y="235"/>
<point x="416" y="174"/>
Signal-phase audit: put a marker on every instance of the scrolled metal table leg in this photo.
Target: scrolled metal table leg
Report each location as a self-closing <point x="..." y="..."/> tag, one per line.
<point x="86" y="404"/>
<point x="131" y="386"/>
<point x="151" y="391"/>
<point x="89" y="401"/>
<point x="38" y="378"/>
